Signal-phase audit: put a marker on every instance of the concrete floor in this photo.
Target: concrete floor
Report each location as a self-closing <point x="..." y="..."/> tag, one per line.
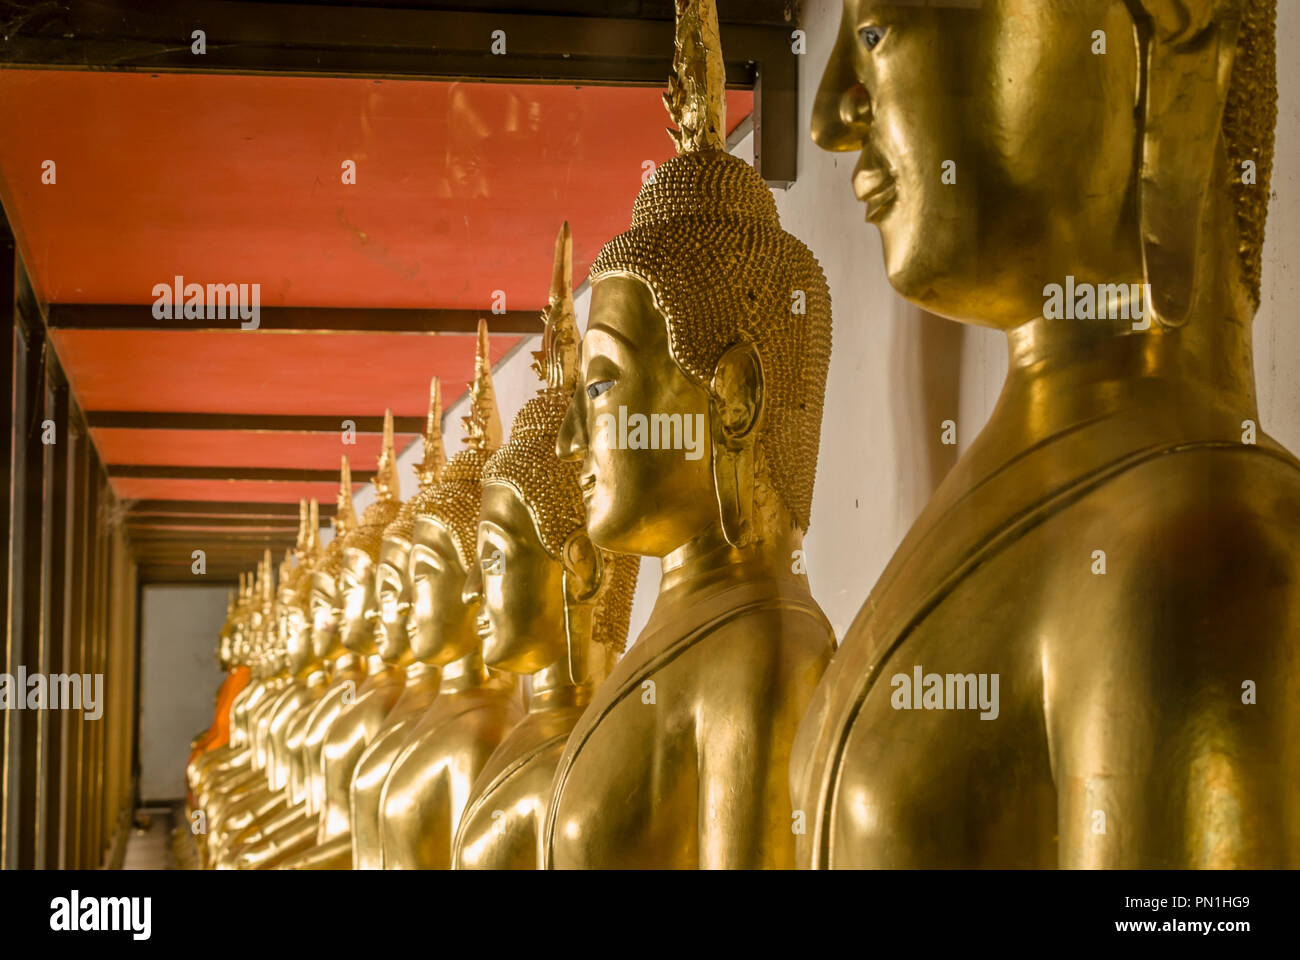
<point x="150" y="844"/>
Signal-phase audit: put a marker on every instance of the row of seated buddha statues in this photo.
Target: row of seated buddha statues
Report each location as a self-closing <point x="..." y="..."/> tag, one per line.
<point x="446" y="684"/>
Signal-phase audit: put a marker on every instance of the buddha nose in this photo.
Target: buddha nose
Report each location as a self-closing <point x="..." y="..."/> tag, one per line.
<point x="855" y="106"/>
<point x="571" y="441"/>
<point x="842" y="112"/>
<point x="471" y="592"/>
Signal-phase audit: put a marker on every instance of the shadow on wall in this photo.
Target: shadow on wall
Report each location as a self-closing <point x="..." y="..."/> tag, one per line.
<point x="925" y="370"/>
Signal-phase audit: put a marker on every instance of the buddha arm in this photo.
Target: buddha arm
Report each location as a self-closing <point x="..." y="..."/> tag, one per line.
<point x="218" y="735"/>
<point x="744" y="815"/>
<point x="333" y="854"/>
<point x="1174" y="741"/>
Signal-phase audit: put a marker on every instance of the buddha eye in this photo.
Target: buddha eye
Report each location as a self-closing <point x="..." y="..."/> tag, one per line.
<point x="596" y="389"/>
<point x="871" y="36"/>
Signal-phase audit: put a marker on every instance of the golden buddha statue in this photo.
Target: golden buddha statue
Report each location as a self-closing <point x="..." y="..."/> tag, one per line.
<point x="245" y="773"/>
<point x="284" y="774"/>
<point x="1116" y="548"/>
<point x="217" y="734"/>
<point x="551" y="605"/>
<point x="223" y="748"/>
<point x="263" y="841"/>
<point x="425" y="791"/>
<point x="711" y="327"/>
<point x="395" y="634"/>
<point x="210" y="749"/>
<point x="328" y="843"/>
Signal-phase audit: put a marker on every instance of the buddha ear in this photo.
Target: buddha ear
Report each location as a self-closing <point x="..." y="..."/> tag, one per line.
<point x="583" y="567"/>
<point x="584" y="572"/>
<point x="737" y="391"/>
<point x="1188" y="46"/>
<point x="735" y="410"/>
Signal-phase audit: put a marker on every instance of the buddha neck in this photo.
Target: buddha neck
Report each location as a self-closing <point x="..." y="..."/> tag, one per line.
<point x="419" y="673"/>
<point x="464" y="674"/>
<point x="710" y="560"/>
<point x="375" y="665"/>
<point x="1067" y="372"/>
<point x="313" y="673"/>
<point x="553" y="689"/>
<point x="345" y="662"/>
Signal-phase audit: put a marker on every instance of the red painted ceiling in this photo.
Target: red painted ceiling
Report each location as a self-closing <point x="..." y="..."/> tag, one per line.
<point x="459" y="190"/>
<point x="335" y="374"/>
<point x="241" y="491"/>
<point x="235" y="448"/>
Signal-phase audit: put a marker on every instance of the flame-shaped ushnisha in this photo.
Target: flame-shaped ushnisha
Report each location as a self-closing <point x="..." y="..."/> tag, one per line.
<point x="454" y="500"/>
<point x="430" y="468"/>
<point x="345" y="522"/>
<point x="428" y="471"/>
<point x="696" y="96"/>
<point x="369" y="532"/>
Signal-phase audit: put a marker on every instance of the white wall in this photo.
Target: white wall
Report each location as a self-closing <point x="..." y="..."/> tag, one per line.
<point x="896" y="372"/>
<point x="179" y="678"/>
<point x="1277" y="325"/>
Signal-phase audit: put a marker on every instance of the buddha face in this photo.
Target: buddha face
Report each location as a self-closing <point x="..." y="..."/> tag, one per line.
<point x="642" y="501"/>
<point x="997" y="150"/>
<point x="326" y="615"/>
<point x="294" y="635"/>
<point x="393" y="587"/>
<point x="440" y="625"/>
<point x="360" y="603"/>
<point x="517" y="586"/>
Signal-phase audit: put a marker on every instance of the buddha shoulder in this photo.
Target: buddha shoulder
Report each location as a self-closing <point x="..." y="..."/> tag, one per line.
<point x="1195" y="586"/>
<point x="473" y="720"/>
<point x="759" y="652"/>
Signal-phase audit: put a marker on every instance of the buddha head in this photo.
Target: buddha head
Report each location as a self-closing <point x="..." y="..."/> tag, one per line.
<point x="225" y="649"/>
<point x="240" y="645"/>
<point x="1008" y="144"/>
<point x="293" y="605"/>
<point x="326" y="601"/>
<point x="361" y="552"/>
<point x="440" y="624"/>
<point x="262" y="616"/>
<point x="392" y="576"/>
<point x="543" y="590"/>
<point x="709" y="336"/>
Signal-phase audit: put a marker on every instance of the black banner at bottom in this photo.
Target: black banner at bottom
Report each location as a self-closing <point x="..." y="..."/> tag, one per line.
<point x="338" y="910"/>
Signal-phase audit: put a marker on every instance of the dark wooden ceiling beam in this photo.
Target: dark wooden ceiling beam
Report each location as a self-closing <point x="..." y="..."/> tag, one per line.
<point x="114" y="316"/>
<point x="556" y="42"/>
<point x="250" y="423"/>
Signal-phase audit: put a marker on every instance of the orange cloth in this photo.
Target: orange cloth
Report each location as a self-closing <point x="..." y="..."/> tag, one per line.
<point x="218" y="734"/>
